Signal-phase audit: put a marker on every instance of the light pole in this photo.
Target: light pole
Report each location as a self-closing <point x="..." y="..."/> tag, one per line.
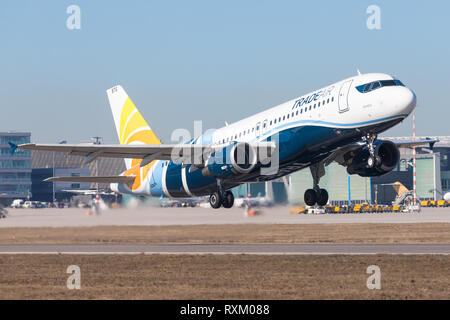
<point x="53" y="182"/>
<point x="414" y="157"/>
<point x="96" y="140"/>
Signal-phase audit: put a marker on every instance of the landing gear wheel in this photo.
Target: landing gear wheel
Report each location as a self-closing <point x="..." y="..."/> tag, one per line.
<point x="215" y="200"/>
<point x="322" y="197"/>
<point x="228" y="200"/>
<point x="310" y="197"/>
<point x="370" y="162"/>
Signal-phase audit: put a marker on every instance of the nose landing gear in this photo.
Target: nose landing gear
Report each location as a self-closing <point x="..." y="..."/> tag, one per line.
<point x="372" y="160"/>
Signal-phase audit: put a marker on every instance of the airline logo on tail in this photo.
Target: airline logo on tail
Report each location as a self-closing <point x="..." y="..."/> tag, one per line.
<point x="131" y="129"/>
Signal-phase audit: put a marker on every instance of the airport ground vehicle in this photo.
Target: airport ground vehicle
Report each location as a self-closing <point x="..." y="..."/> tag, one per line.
<point x="434" y="203"/>
<point x="17" y="203"/>
<point x="28" y="204"/>
<point x="344" y="209"/>
<point x="33" y="205"/>
<point x="443" y="203"/>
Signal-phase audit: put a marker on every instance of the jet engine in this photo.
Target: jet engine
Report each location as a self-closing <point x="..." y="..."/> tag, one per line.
<point x="386" y="157"/>
<point x="238" y="158"/>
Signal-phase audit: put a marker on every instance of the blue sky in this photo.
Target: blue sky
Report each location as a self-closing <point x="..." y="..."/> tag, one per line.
<point x="213" y="61"/>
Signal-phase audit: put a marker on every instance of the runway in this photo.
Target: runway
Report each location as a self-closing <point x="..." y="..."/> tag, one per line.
<point x="254" y="249"/>
<point x="155" y="216"/>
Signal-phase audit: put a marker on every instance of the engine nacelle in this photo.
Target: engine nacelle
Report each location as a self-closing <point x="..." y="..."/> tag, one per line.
<point x="238" y="158"/>
<point x="387" y="156"/>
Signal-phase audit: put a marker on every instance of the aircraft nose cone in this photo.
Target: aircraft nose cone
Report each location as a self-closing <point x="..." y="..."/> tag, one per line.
<point x="409" y="100"/>
<point x="405" y="100"/>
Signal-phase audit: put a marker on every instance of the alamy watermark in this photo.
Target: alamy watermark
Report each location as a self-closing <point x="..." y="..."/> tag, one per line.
<point x="74" y="280"/>
<point x="246" y="149"/>
<point x="374" y="281"/>
<point x="73" y="21"/>
<point x="374" y="19"/>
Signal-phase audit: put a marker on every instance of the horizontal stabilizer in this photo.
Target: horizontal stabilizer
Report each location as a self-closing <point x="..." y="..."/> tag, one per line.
<point x="104" y="179"/>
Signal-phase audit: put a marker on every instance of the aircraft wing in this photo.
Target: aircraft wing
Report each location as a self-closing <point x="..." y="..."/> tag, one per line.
<point x="146" y="152"/>
<point x="186" y="153"/>
<point x="104" y="179"/>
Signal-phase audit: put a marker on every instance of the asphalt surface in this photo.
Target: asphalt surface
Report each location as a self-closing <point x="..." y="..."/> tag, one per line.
<point x="269" y="249"/>
<point x="155" y="216"/>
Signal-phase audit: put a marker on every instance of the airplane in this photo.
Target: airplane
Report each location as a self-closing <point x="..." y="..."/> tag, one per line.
<point x="339" y="122"/>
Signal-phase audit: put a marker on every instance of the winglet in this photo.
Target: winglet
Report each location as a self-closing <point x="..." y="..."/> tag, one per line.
<point x="13" y="147"/>
<point x="432" y="142"/>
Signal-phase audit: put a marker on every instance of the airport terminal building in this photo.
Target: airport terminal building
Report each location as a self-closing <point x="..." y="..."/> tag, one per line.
<point x="15" y="169"/>
<point x="22" y="173"/>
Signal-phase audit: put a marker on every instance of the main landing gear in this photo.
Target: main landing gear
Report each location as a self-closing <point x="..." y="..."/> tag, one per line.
<point x="316" y="195"/>
<point x="221" y="198"/>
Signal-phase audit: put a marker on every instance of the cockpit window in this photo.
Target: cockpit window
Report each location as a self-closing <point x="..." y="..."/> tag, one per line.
<point x="388" y="83"/>
<point x="378" y="84"/>
<point x="375" y="85"/>
<point x="366" y="87"/>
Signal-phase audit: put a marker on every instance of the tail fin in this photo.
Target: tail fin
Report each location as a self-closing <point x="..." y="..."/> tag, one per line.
<point x="130" y="125"/>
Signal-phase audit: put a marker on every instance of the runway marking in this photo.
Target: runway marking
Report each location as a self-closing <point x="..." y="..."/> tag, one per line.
<point x="222" y="249"/>
<point x="225" y="253"/>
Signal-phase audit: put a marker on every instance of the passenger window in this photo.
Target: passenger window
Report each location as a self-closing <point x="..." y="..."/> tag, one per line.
<point x="296" y="113"/>
<point x="292" y="114"/>
<point x="328" y="100"/>
<point x="332" y="99"/>
<point x="284" y="117"/>
<point x="318" y="104"/>
<point x="279" y="119"/>
<point x="270" y="122"/>
<point x="301" y="110"/>
<point x="288" y="116"/>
